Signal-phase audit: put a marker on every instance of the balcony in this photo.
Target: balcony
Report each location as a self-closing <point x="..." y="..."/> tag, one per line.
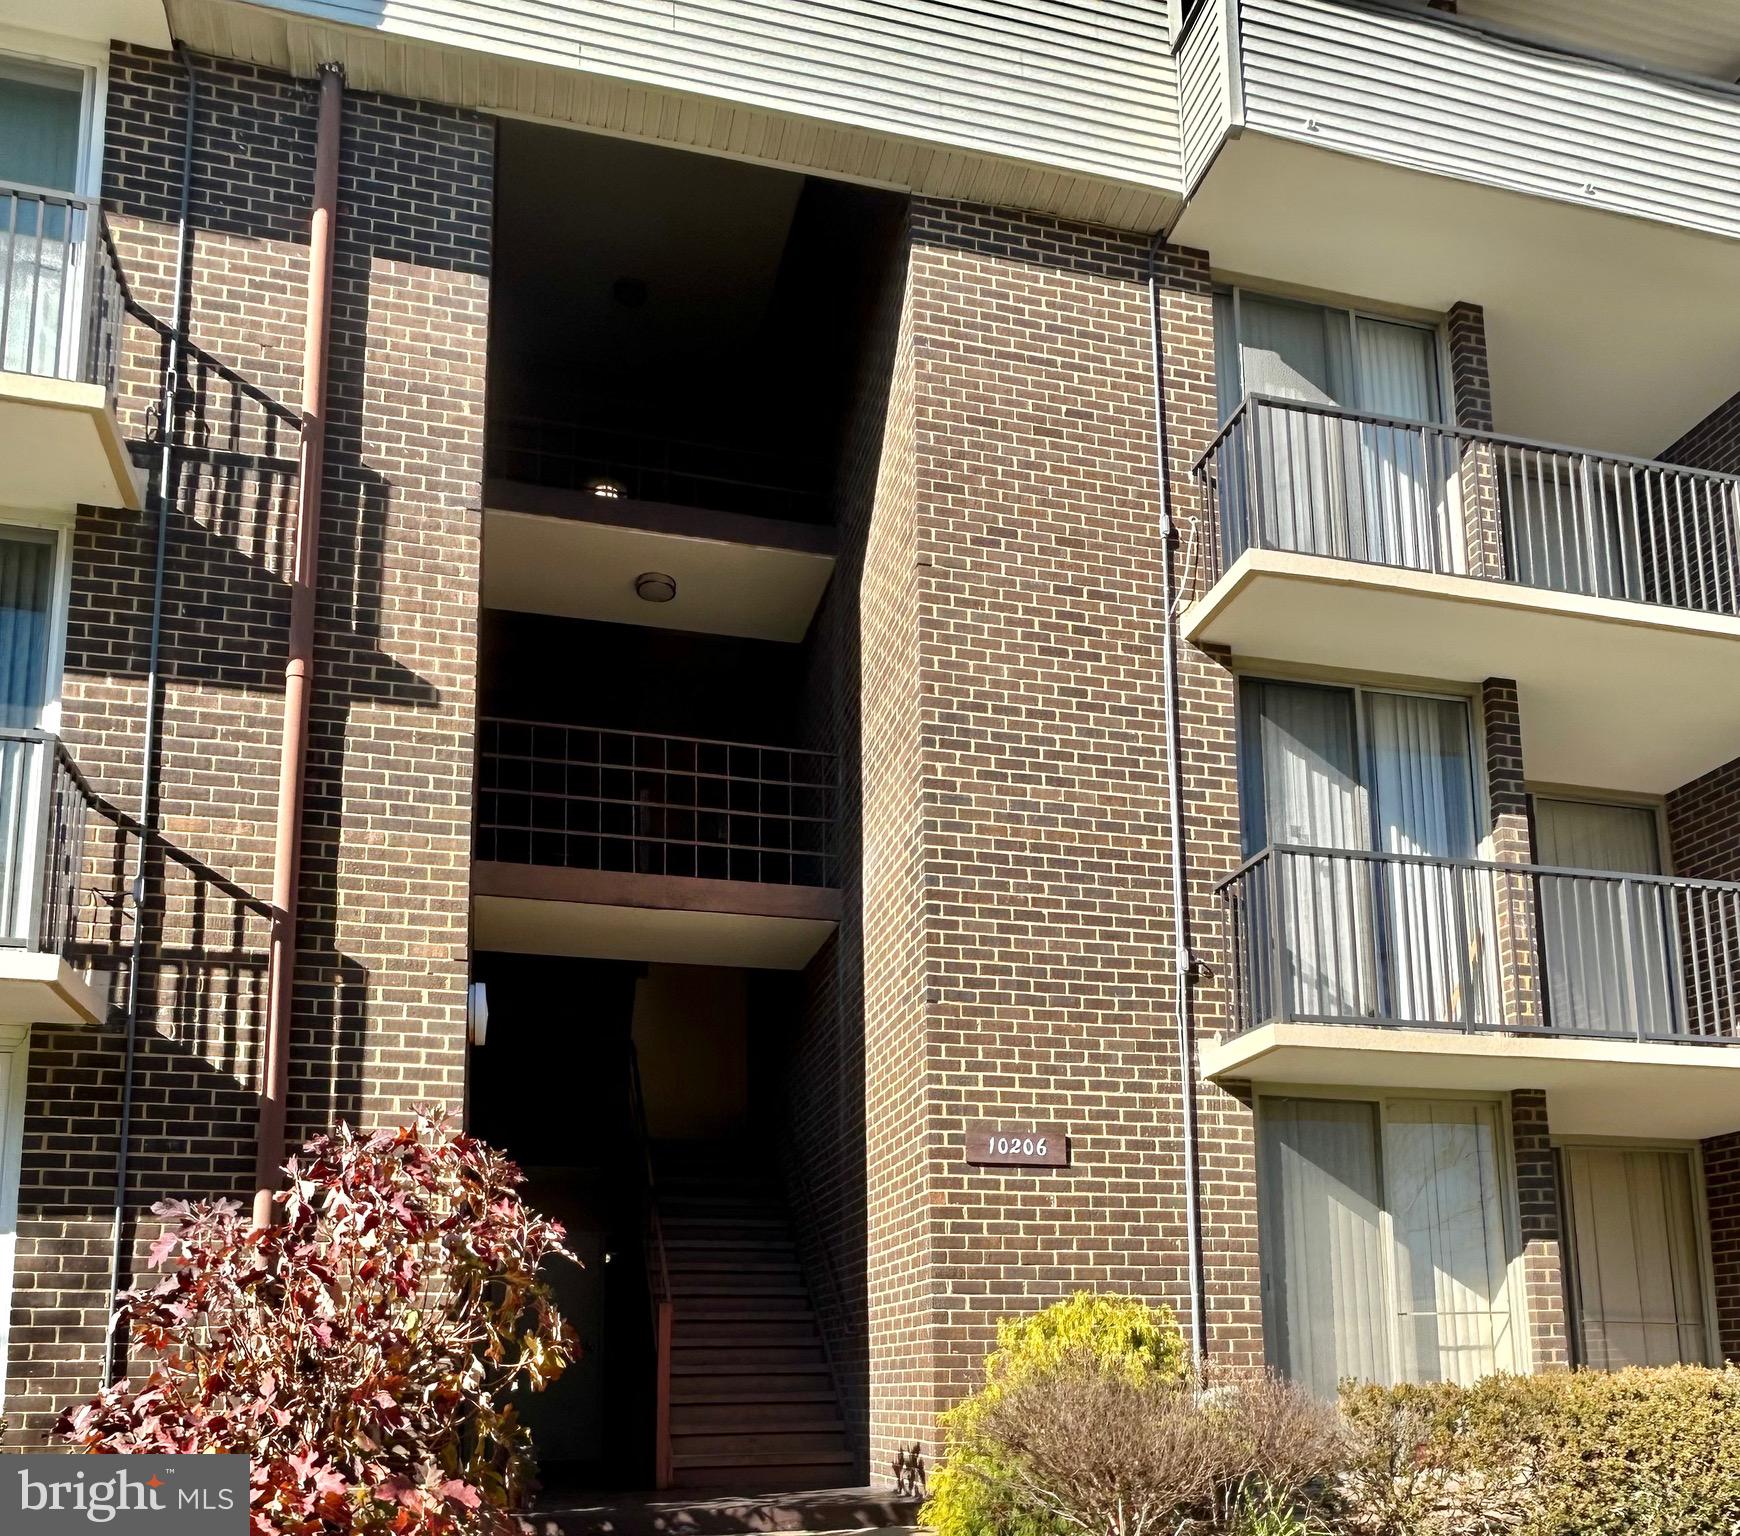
<point x="1617" y="994"/>
<point x="62" y="307"/>
<point x="1396" y="151"/>
<point x="1608" y="587"/>
<point x="51" y="920"/>
<point x="621" y="844"/>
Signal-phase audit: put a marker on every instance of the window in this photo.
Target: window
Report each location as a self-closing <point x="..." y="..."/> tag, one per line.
<point x="1637" y="1256"/>
<point x="30" y="662"/>
<point x="1611" y="946"/>
<point x="1383" y="1240"/>
<point x="1382" y="923"/>
<point x="1340" y="470"/>
<point x="48" y="155"/>
<point x="14" y="1049"/>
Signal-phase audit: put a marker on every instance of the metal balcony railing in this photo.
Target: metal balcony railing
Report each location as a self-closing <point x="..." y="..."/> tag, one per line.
<point x="62" y="295"/>
<point x="1335" y="936"/>
<point x="1289" y="475"/>
<point x="583" y="797"/>
<point x="48" y="818"/>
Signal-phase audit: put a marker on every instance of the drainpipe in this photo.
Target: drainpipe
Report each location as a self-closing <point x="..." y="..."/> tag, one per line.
<point x="1184" y="966"/>
<point x="299" y="667"/>
<point x="171" y="387"/>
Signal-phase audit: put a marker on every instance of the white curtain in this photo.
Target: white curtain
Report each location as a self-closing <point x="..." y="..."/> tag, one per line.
<point x="1326" y="1300"/>
<point x="40" y="113"/>
<point x="1404" y="477"/>
<point x="1442" y="1191"/>
<point x="26" y="598"/>
<point x="1637" y="1269"/>
<point x="1301" y="762"/>
<point x="1440" y="926"/>
<point x="1611" y="949"/>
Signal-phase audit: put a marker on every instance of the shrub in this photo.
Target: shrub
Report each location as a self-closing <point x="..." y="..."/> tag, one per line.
<point x="1090" y="1422"/>
<point x="362" y="1351"/>
<point x="1640" y="1452"/>
<point x="973" y="1493"/>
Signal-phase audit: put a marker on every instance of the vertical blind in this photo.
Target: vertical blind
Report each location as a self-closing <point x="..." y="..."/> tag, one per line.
<point x="26" y="599"/>
<point x="1611" y="949"/>
<point x="1383" y="1240"/>
<point x="1637" y="1268"/>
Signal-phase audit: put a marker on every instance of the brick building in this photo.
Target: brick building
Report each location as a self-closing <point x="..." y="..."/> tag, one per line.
<point x="946" y="666"/>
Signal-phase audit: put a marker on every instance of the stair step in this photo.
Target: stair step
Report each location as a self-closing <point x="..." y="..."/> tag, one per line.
<point x="816" y="1470"/>
<point x="720" y="1285"/>
<point x="716" y="1333"/>
<point x="779" y="1444"/>
<point x="731" y="1392"/>
<point x="722" y="1417"/>
<point x="768" y="1357"/>
<point x="730" y="1377"/>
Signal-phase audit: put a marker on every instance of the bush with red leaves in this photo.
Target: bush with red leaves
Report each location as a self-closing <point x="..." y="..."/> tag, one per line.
<point x="364" y="1351"/>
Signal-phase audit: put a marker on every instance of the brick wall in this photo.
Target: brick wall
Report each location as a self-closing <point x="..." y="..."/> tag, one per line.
<point x="1704" y="833"/>
<point x="1471" y="406"/>
<point x="862" y="706"/>
<point x="1015" y="901"/>
<point x="1538" y="1218"/>
<point x="379" y="993"/>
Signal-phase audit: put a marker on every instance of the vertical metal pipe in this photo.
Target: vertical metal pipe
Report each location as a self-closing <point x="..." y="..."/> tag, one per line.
<point x="170" y="390"/>
<point x="299" y="666"/>
<point x="1183" y="966"/>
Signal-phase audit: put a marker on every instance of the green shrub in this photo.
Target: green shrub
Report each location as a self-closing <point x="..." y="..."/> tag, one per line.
<point x="970" y="1492"/>
<point x="1628" y="1453"/>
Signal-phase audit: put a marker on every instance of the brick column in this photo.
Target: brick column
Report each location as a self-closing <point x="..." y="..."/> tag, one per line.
<point x="1512" y="843"/>
<point x="1722" y="1197"/>
<point x="1471" y="406"/>
<point x="1539" y="1218"/>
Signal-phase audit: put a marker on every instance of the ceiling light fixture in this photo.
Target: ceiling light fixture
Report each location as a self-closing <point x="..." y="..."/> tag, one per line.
<point x="655" y="587"/>
<point x="610" y="490"/>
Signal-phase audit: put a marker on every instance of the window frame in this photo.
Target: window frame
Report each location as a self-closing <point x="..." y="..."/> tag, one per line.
<point x="1356" y="310"/>
<point x="1523" y="1352"/>
<point x="1256" y="670"/>
<point x="1700" y="1222"/>
<point x="59" y="528"/>
<point x="91" y="60"/>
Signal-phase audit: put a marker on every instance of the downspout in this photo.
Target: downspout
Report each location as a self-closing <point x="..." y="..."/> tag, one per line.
<point x="299" y="666"/>
<point x="171" y="388"/>
<point x="1183" y="965"/>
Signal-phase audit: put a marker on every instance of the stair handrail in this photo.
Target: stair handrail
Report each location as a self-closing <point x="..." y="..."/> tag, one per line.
<point x="807" y="1198"/>
<point x="658" y="1280"/>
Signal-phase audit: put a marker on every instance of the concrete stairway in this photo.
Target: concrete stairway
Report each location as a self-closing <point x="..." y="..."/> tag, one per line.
<point x="753" y="1403"/>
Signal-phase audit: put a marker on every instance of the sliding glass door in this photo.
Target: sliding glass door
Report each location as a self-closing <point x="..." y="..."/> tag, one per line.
<point x="1383" y="1239"/>
<point x="1355" y="774"/>
<point x="1611" y="946"/>
<point x="1326" y="482"/>
<point x="1637" y="1256"/>
<point x="27" y="567"/>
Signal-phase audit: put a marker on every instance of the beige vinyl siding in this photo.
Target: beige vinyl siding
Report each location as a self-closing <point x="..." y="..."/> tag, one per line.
<point x="1206" y="73"/>
<point x="1067" y="105"/>
<point x="1419" y="89"/>
<point x="1701" y="37"/>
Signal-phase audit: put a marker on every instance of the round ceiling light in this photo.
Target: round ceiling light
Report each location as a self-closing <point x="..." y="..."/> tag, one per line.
<point x="611" y="490"/>
<point x="655" y="587"/>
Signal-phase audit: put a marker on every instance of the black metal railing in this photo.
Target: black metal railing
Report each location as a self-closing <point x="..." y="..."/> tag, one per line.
<point x="49" y="816"/>
<point x="62" y="295"/>
<point x="722" y="475"/>
<point x="583" y="797"/>
<point x="1314" y="479"/>
<point x="1335" y="936"/>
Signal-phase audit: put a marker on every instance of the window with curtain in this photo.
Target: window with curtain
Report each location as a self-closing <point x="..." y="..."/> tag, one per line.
<point x="1333" y="485"/>
<point x="1356" y="770"/>
<point x="27" y="564"/>
<point x="42" y="113"/>
<point x="1637" y="1258"/>
<point x="1383" y="1240"/>
<point x="1611" y="949"/>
